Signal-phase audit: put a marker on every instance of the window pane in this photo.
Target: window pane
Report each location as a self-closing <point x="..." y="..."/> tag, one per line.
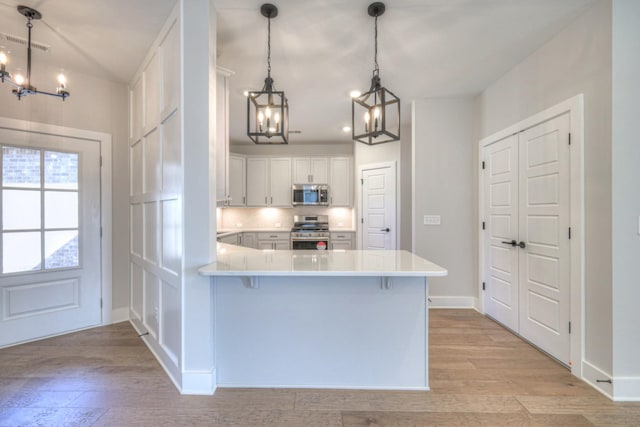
<point x="20" y="252"/>
<point x="20" y="167"/>
<point x="60" y="170"/>
<point x="60" y="249"/>
<point x="20" y="209"/>
<point x="60" y="209"/>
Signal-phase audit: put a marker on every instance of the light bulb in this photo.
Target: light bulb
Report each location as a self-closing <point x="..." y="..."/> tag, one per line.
<point x="355" y="93"/>
<point x="62" y="80"/>
<point x="3" y="58"/>
<point x="276" y="117"/>
<point x="376" y="113"/>
<point x="260" y="116"/>
<point x="267" y="112"/>
<point x="367" y="117"/>
<point x="19" y="79"/>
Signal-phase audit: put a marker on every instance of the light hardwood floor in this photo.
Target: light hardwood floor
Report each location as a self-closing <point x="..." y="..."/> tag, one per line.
<point x="480" y="374"/>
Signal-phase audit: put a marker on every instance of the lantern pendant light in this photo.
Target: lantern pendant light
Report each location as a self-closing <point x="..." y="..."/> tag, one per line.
<point x="268" y="109"/>
<point x="22" y="86"/>
<point x="375" y="115"/>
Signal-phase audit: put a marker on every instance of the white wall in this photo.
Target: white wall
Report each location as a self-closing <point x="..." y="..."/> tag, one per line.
<point x="443" y="185"/>
<point x="626" y="198"/>
<point x="98" y="105"/>
<point x="281" y="218"/>
<point x="578" y="60"/>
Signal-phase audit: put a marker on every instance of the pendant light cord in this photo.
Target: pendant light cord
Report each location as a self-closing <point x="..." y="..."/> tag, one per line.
<point x="376" y="69"/>
<point x="29" y="26"/>
<point x="269" y="47"/>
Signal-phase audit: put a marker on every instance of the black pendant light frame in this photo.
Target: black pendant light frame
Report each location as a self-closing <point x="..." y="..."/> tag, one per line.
<point x="26" y="88"/>
<point x="380" y="108"/>
<point x="268" y="109"/>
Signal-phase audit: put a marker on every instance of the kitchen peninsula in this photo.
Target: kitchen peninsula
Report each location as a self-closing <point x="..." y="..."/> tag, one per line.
<point x="321" y="319"/>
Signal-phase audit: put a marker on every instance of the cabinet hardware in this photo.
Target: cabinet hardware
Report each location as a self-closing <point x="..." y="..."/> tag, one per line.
<point x="244" y="199"/>
<point x="271" y="199"/>
<point x="385" y="229"/>
<point x="514" y="244"/>
<point x="265" y="200"/>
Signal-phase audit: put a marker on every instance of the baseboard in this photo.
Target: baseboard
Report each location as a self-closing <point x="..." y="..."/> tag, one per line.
<point x="120" y="315"/>
<point x="591" y="374"/>
<point x="451" y="302"/>
<point x="626" y="389"/>
<point x="199" y="382"/>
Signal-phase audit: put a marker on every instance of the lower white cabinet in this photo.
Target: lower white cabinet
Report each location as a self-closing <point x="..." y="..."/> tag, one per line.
<point x="279" y="240"/>
<point x="233" y="239"/>
<point x="343" y="240"/>
<point x="249" y="240"/>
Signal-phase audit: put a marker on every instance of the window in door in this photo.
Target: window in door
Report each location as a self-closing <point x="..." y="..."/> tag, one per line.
<point x="40" y="225"/>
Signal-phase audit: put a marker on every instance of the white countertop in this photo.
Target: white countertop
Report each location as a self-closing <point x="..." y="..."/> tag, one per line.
<point x="240" y="261"/>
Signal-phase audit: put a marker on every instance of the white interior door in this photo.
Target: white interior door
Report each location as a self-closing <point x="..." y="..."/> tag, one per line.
<point x="527" y="252"/>
<point x="501" y="213"/>
<point x="544" y="227"/>
<point x="379" y="207"/>
<point x="49" y="235"/>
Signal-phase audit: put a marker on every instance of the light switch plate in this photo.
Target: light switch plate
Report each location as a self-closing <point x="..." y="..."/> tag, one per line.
<point x="432" y="220"/>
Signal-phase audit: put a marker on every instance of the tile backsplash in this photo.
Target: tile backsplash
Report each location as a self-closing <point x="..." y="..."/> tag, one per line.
<point x="274" y="218"/>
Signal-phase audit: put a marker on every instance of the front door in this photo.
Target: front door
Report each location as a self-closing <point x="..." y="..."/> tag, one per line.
<point x="49" y="235"/>
<point x="379" y="207"/>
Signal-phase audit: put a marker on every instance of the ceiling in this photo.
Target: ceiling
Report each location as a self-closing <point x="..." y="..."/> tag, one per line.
<point x="321" y="49"/>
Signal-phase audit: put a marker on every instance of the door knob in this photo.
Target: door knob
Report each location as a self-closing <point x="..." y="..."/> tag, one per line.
<point x="514" y="244"/>
<point x="385" y="229"/>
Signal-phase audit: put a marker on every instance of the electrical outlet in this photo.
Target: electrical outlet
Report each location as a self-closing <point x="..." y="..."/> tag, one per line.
<point x="431" y="220"/>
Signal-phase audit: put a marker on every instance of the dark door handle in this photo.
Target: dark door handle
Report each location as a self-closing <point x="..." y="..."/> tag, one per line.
<point x="386" y="229"/>
<point x="514" y="244"/>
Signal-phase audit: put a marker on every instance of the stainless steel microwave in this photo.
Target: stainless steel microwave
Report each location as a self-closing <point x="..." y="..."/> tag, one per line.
<point x="310" y="195"/>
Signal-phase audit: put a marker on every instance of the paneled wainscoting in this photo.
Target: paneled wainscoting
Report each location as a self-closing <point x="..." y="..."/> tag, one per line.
<point x="480" y="374"/>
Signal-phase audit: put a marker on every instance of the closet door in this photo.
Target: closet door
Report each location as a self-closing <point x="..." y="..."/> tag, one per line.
<point x="544" y="264"/>
<point x="501" y="213"/>
<point x="527" y="252"/>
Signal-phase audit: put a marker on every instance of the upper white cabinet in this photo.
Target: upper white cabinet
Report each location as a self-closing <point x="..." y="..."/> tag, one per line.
<point x="280" y="181"/>
<point x="340" y="181"/>
<point x="268" y="181"/>
<point x="257" y="181"/>
<point x="310" y="170"/>
<point x="222" y="134"/>
<point x="237" y="184"/>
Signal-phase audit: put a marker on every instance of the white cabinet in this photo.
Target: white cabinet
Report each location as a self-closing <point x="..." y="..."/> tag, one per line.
<point x="268" y="181"/>
<point x="280" y="182"/>
<point x="233" y="239"/>
<point x="340" y="181"/>
<point x="310" y="170"/>
<point x="343" y="240"/>
<point x="249" y="240"/>
<point x="222" y="134"/>
<point x="280" y="240"/>
<point x="237" y="185"/>
<point x="257" y="181"/>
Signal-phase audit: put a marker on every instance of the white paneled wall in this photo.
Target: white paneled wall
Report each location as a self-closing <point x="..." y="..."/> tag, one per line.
<point x="156" y="193"/>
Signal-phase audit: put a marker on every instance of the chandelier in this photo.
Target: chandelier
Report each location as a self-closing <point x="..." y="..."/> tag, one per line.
<point x="268" y="109"/>
<point x="22" y="85"/>
<point x="375" y="115"/>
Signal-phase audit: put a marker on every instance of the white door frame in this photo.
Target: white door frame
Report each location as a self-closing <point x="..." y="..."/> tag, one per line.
<point x="575" y="107"/>
<point x="104" y="139"/>
<point x="359" y="212"/>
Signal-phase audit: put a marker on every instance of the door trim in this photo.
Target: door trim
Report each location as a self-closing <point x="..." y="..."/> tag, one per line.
<point x="104" y="139"/>
<point x="361" y="169"/>
<point x="575" y="107"/>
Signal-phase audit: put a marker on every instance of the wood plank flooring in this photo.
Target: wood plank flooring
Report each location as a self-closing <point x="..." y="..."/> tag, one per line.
<point x="480" y="374"/>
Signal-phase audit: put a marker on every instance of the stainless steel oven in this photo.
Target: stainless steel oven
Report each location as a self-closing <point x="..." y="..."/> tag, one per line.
<point x="310" y="232"/>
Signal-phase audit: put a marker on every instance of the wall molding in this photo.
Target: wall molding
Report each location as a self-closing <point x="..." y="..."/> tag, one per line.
<point x="199" y="382"/>
<point x="626" y="389"/>
<point x="452" y="302"/>
<point x="591" y="374"/>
